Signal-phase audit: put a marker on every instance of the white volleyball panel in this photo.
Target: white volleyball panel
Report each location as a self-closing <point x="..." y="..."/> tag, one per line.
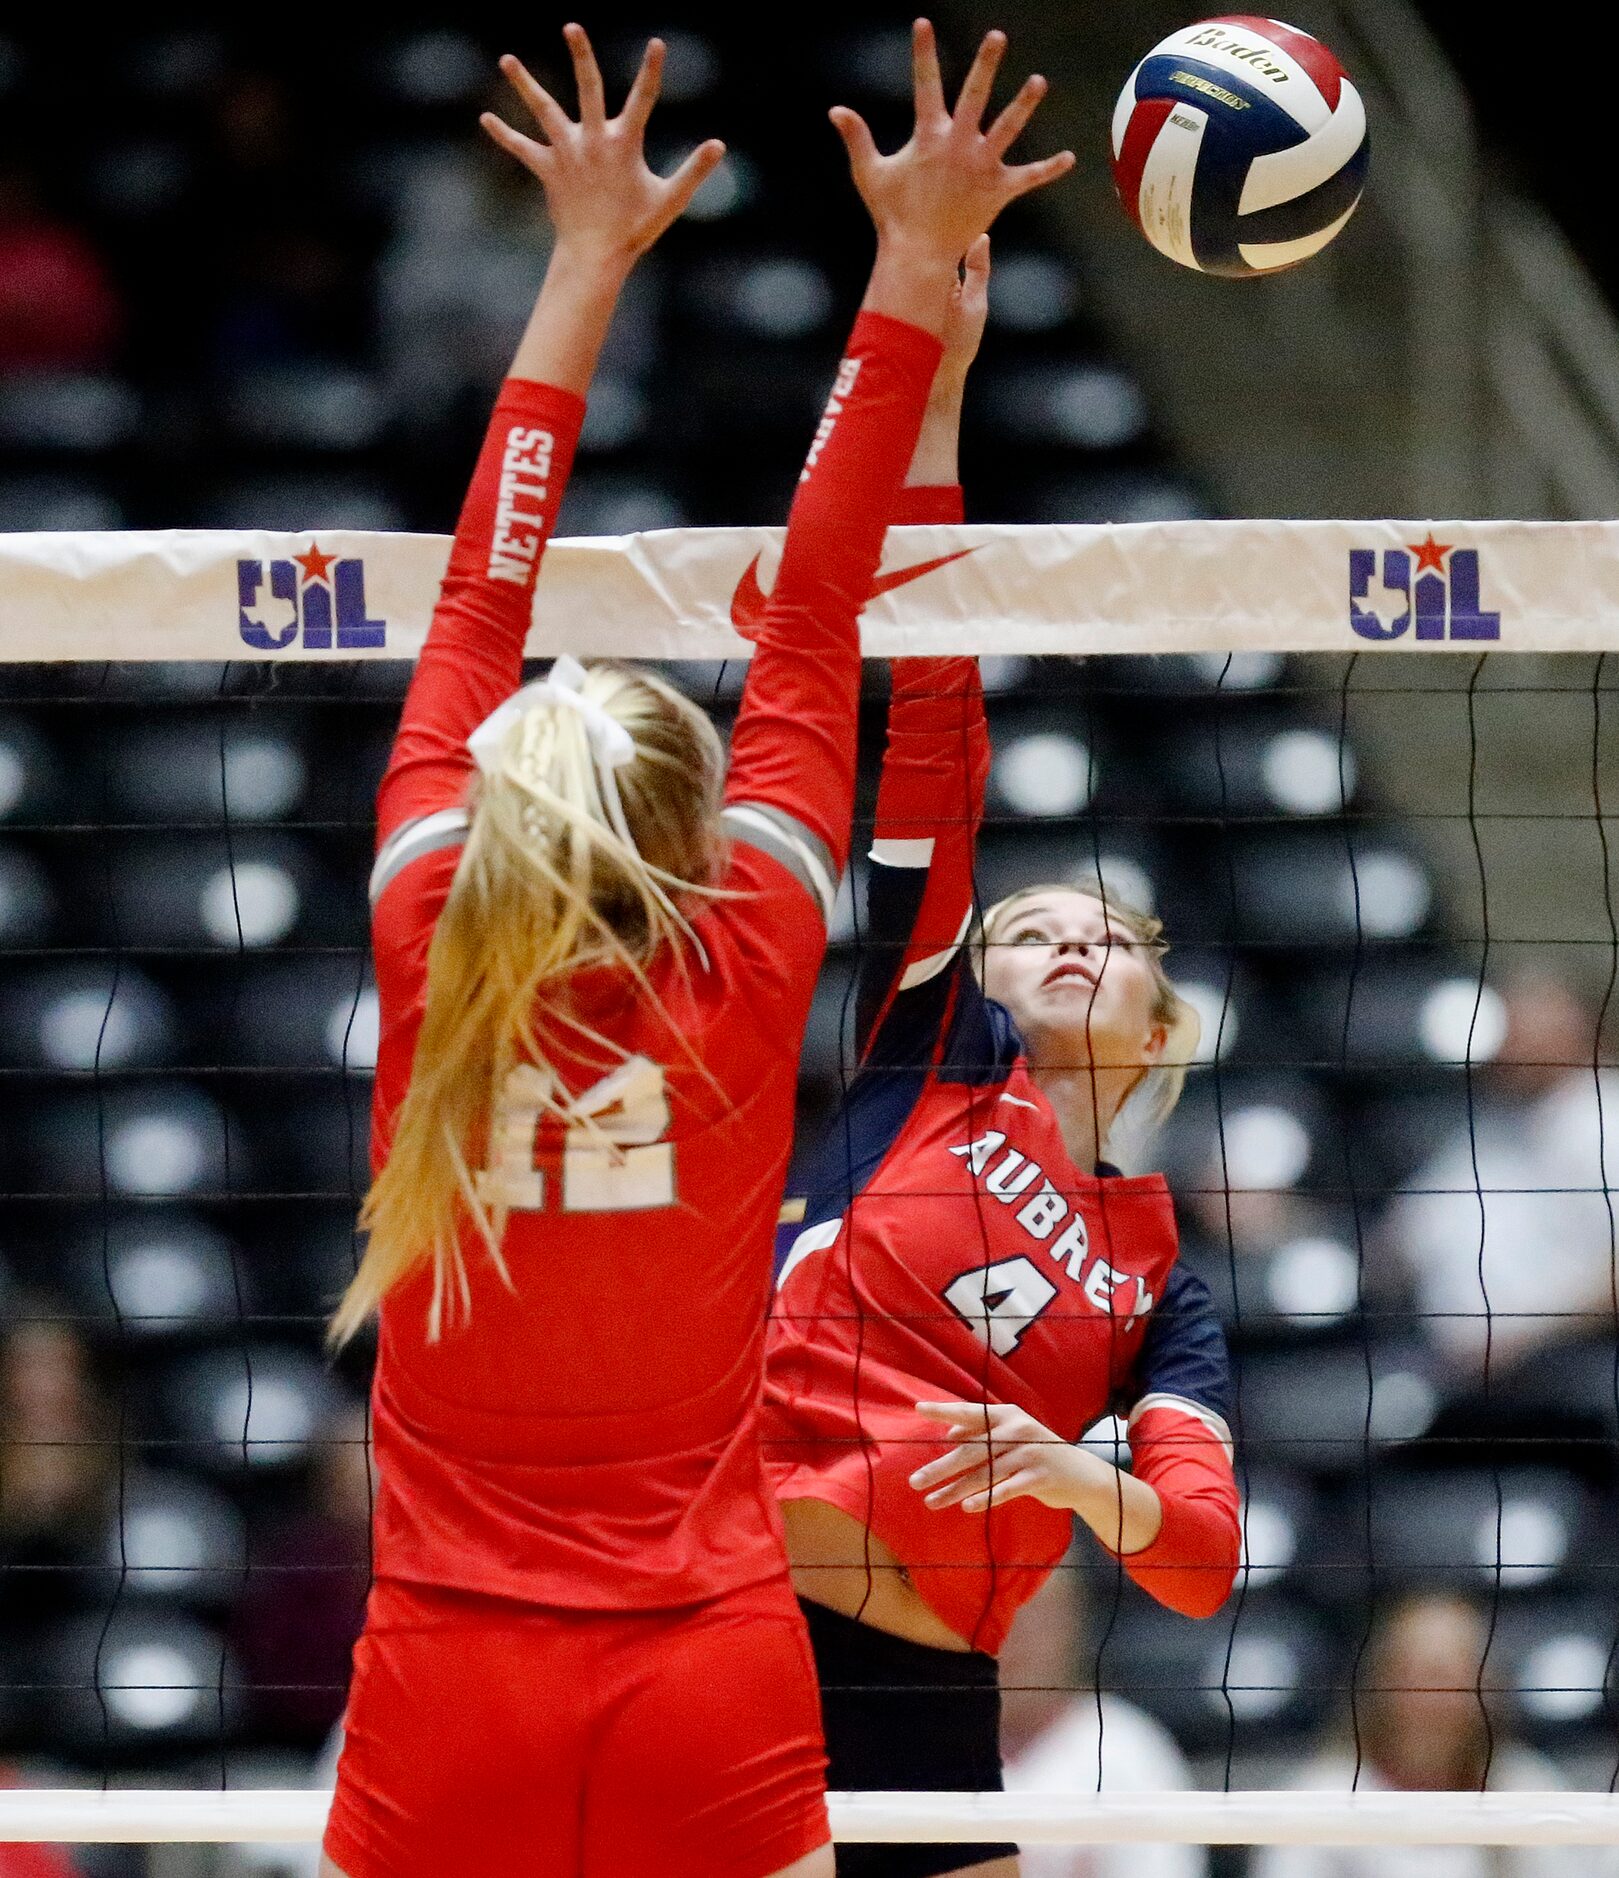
<point x="1284" y="175"/>
<point x="1165" y="203"/>
<point x="1270" y="255"/>
<point x="1123" y="110"/>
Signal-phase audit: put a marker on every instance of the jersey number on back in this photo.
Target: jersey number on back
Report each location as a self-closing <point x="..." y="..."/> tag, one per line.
<point x="1001" y="1301"/>
<point x="613" y="1160"/>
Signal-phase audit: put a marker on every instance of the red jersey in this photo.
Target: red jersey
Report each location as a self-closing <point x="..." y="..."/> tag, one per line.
<point x="588" y="1438"/>
<point x="949" y="1249"/>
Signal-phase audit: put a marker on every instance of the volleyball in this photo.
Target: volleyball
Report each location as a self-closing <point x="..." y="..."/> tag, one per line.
<point x="1240" y="146"/>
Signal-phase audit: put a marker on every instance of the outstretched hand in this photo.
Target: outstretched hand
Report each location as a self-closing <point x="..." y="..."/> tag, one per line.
<point x="601" y="194"/>
<point x="968" y="312"/>
<point x="936" y="459"/>
<point x="947" y="184"/>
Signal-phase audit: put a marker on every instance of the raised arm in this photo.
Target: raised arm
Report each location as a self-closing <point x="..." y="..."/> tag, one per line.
<point x="790" y="792"/>
<point x="913" y="975"/>
<point x="606" y="208"/>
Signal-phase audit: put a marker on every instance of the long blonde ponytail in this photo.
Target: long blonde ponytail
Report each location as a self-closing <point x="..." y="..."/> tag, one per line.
<point x="546" y="886"/>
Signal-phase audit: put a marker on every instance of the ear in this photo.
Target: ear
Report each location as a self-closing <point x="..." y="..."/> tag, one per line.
<point x="1152" y="1050"/>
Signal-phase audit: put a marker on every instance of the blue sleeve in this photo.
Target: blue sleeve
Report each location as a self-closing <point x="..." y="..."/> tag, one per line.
<point x="1184" y="1356"/>
<point x="918" y="1018"/>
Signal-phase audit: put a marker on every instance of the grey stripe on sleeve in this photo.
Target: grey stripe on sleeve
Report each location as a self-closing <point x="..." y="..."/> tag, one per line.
<point x="786" y="839"/>
<point x="423" y="834"/>
<point x="1216" y="1424"/>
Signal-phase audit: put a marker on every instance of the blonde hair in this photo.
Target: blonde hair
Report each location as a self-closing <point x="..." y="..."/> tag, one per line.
<point x="1152" y="1100"/>
<point x="546" y="887"/>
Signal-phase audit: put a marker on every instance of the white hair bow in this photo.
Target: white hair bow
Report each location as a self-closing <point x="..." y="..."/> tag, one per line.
<point x="610" y="743"/>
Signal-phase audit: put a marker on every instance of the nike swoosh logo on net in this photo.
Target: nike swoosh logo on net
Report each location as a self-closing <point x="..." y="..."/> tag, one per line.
<point x="749" y="602"/>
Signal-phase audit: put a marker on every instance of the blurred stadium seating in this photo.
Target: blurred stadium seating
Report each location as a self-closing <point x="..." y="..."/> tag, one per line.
<point x="298" y="280"/>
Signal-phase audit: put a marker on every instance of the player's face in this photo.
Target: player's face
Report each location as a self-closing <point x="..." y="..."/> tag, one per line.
<point x="1076" y="981"/>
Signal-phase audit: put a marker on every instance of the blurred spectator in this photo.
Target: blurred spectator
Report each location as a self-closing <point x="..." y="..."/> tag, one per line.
<point x="1424" y="1727"/>
<point x="1250" y="1221"/>
<point x="58" y="1458"/>
<point x="305" y="1600"/>
<point x="59" y="311"/>
<point x="295" y="280"/>
<point x="294" y="294"/>
<point x="258" y="154"/>
<point x="1508" y="1232"/>
<point x="1234" y="1203"/>
<point x="1058" y="1735"/>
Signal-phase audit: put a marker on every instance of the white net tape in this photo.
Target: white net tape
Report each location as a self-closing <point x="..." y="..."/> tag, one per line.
<point x="298" y="1818"/>
<point x="1147" y="587"/>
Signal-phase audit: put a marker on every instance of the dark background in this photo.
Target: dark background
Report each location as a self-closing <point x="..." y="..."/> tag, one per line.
<point x="268" y="274"/>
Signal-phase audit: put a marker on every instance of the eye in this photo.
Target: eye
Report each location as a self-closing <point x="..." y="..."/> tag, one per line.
<point x="1028" y="936"/>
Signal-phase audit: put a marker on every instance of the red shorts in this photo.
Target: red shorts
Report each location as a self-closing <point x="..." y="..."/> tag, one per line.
<point x="488" y="1736"/>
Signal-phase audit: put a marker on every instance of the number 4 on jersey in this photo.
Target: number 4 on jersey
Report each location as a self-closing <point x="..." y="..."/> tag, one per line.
<point x="1001" y="1301"/>
<point x="613" y="1160"/>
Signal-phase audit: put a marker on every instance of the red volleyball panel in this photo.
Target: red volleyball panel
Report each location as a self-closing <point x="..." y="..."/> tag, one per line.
<point x="1322" y="67"/>
<point x="1146" y="120"/>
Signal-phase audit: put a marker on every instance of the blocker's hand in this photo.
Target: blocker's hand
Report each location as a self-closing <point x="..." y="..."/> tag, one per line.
<point x="1005" y="1454"/>
<point x="601" y="194"/>
<point x="950" y="180"/>
<point x="969" y="312"/>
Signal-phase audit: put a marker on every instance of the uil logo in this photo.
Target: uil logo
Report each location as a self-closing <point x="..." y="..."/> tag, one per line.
<point x="1442" y="600"/>
<point x="315" y="592"/>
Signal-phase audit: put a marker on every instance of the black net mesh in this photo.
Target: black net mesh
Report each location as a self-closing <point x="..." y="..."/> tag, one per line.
<point x="1387" y="886"/>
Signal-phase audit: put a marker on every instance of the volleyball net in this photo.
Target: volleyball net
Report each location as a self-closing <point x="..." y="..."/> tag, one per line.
<point x="1364" y="773"/>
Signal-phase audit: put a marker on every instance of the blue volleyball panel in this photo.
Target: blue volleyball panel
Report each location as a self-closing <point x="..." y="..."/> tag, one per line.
<point x="1236" y="134"/>
<point x="1265" y="125"/>
<point x="1316" y="209"/>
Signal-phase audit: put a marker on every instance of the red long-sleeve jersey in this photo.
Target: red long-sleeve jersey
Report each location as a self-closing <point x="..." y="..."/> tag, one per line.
<point x="588" y="1437"/>
<point x="948" y="1248"/>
